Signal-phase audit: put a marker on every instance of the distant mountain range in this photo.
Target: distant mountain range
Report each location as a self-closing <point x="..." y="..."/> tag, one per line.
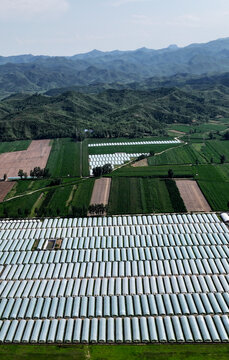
<point x="28" y="73"/>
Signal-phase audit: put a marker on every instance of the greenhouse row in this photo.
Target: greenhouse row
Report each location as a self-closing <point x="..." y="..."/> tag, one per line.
<point x="57" y="233"/>
<point x="114" y="269"/>
<point x="115" y="279"/>
<point x="148" y="142"/>
<point x="112" y="159"/>
<point x="109" y="221"/>
<point x="119" y="330"/>
<point x="123" y="242"/>
<point x="114" y="306"/>
<point x="114" y="286"/>
<point x="117" y="254"/>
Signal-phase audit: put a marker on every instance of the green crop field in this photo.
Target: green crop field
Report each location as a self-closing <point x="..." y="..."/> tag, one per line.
<point x="14" y="146"/>
<point x="180" y="155"/>
<point x="130" y="149"/>
<point x="82" y="196"/>
<point x="214" y="183"/>
<point x="139" y="195"/>
<point x="210" y="173"/>
<point x="198" y="129"/>
<point x="155" y="171"/>
<point x="65" y="158"/>
<point x="57" y="201"/>
<point x="41" y="198"/>
<point x="19" y="207"/>
<point x="202" y="152"/>
<point x="124" y="140"/>
<point x="216" y="193"/>
<point x="116" y="352"/>
<point x="24" y="186"/>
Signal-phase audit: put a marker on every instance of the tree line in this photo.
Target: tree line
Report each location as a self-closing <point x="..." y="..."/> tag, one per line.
<point x="36" y="172"/>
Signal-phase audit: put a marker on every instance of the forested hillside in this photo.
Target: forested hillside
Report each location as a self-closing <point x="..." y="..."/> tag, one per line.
<point x="113" y="113"/>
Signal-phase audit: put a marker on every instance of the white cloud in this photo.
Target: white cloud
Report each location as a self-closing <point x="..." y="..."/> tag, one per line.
<point x="118" y="3"/>
<point x="26" y="8"/>
<point x="186" y="20"/>
<point x="143" y="20"/>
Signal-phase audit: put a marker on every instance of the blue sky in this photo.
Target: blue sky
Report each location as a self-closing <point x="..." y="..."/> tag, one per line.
<point x="67" y="27"/>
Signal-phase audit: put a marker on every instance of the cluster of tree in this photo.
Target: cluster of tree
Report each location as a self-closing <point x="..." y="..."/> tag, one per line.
<point x="39" y="173"/>
<point x="97" y="209"/>
<point x="22" y="174"/>
<point x="102" y="170"/>
<point x="20" y="213"/>
<point x="55" y="182"/>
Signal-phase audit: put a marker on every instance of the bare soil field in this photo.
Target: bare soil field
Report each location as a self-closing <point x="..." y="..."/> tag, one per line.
<point x="101" y="191"/>
<point x="5" y="187"/>
<point x="37" y="154"/>
<point x="192" y="196"/>
<point x="140" y="163"/>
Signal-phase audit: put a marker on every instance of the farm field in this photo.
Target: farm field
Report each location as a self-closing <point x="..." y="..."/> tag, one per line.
<point x="82" y="196"/>
<point x="200" y="152"/>
<point x="181" y="155"/>
<point x="192" y="195"/>
<point x="216" y="193"/>
<point x="41" y="199"/>
<point x="130" y="148"/>
<point x="116" y="352"/>
<point x="25" y="186"/>
<point x="55" y="201"/>
<point x="101" y="191"/>
<point x="65" y="158"/>
<point x="219" y="125"/>
<point x="19" y="207"/>
<point x="36" y="155"/>
<point x="138" y="195"/>
<point x="18" y="145"/>
<point x="114" y="140"/>
<point x="155" y="171"/>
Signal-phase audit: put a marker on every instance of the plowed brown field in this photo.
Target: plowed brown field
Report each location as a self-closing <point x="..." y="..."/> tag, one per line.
<point x="101" y="191"/>
<point x="37" y="154"/>
<point x="192" y="196"/>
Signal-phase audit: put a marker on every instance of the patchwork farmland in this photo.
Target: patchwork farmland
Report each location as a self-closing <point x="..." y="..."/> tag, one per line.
<point x="125" y="279"/>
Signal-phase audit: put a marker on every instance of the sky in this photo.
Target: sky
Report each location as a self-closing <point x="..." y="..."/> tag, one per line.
<point x="68" y="27"/>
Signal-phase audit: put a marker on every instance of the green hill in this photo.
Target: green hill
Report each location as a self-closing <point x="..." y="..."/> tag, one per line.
<point x="110" y="113"/>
